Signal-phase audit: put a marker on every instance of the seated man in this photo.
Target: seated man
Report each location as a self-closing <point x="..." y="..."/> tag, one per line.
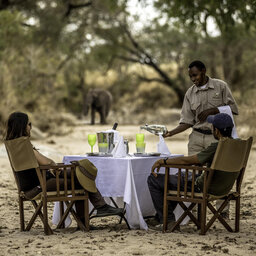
<point x="222" y="182"/>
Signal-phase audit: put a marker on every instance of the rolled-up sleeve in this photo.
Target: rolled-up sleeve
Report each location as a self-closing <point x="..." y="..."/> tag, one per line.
<point x="206" y="155"/>
<point x="229" y="100"/>
<point x="187" y="116"/>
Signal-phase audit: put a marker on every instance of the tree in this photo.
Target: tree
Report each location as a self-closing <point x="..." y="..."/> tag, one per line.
<point x="234" y="21"/>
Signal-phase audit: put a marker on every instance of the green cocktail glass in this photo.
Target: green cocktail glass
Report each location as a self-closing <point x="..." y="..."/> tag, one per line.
<point x="140" y="137"/>
<point x="92" y="140"/>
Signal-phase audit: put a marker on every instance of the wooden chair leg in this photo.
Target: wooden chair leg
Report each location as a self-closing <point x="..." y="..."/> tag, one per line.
<point x="188" y="212"/>
<point x="47" y="231"/>
<point x="36" y="213"/>
<point x="21" y="210"/>
<point x="216" y="215"/>
<point x="165" y="215"/>
<point x="76" y="217"/>
<point x="61" y="213"/>
<point x="86" y="215"/>
<point x="237" y="217"/>
<point x="165" y="208"/>
<point x="203" y="218"/>
<point x="199" y="206"/>
<point x="65" y="214"/>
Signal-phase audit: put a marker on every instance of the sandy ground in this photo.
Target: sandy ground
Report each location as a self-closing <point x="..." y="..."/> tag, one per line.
<point x="111" y="238"/>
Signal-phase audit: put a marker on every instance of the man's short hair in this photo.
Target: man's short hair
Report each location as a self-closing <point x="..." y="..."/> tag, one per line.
<point x="198" y="64"/>
<point x="227" y="132"/>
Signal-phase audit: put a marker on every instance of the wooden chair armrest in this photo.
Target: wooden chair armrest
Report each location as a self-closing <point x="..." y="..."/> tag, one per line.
<point x="188" y="167"/>
<point x="57" y="170"/>
<point x="58" y="166"/>
<point x="185" y="170"/>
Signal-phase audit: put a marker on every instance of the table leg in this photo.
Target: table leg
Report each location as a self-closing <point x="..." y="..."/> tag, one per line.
<point x="124" y="211"/>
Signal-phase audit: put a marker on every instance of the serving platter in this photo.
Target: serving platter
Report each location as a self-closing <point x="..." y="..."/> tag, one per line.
<point x="102" y="154"/>
<point x="147" y="154"/>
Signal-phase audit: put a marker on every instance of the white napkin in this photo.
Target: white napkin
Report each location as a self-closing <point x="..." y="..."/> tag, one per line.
<point x="227" y="110"/>
<point x="119" y="149"/>
<point x="162" y="147"/>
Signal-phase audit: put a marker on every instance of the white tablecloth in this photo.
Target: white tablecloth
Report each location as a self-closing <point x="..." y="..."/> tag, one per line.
<point x="127" y="178"/>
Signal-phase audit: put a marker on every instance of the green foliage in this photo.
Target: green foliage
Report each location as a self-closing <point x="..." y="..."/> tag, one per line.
<point x="51" y="54"/>
<point x="154" y="96"/>
<point x="225" y="13"/>
<point x="11" y="32"/>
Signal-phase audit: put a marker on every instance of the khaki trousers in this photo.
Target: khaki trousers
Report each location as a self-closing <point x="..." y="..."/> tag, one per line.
<point x="198" y="142"/>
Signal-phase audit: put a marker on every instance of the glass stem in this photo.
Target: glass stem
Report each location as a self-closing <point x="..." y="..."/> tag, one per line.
<point x="92" y="149"/>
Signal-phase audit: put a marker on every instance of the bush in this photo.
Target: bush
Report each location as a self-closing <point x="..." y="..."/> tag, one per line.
<point x="154" y="95"/>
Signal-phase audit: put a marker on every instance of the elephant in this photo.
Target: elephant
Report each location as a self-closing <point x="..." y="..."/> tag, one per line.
<point x="99" y="100"/>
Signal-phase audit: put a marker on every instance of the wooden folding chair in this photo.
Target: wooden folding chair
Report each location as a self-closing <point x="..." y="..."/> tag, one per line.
<point x="231" y="156"/>
<point x="21" y="156"/>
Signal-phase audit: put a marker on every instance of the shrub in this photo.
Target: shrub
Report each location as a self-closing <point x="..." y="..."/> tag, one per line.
<point x="154" y="95"/>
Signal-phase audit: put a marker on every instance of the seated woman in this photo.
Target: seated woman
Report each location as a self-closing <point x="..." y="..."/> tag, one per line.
<point x="19" y="125"/>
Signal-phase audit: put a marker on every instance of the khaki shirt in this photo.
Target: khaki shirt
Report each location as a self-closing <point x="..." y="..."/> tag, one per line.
<point x="215" y="94"/>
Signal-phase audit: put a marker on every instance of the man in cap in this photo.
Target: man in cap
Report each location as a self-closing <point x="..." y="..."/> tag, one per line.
<point x="222" y="125"/>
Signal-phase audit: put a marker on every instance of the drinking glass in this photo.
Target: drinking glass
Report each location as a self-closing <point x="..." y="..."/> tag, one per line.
<point x="103" y="147"/>
<point x="140" y="137"/>
<point x="92" y="140"/>
<point x="140" y="147"/>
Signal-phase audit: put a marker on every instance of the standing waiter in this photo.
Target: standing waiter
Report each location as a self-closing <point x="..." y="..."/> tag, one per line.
<point x="207" y="96"/>
<point x="201" y="100"/>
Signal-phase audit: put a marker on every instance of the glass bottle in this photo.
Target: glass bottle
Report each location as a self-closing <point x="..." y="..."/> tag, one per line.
<point x="156" y="129"/>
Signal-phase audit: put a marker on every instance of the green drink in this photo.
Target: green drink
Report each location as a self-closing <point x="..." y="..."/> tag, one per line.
<point x="103" y="147"/>
<point x="140" y="137"/>
<point x="140" y="147"/>
<point x="92" y="140"/>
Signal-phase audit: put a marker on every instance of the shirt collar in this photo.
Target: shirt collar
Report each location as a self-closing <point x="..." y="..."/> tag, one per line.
<point x="208" y="85"/>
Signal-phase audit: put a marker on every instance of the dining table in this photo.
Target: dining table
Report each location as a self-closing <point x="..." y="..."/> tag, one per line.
<point x="125" y="180"/>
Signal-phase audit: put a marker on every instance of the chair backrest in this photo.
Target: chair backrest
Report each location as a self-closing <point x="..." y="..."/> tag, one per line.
<point x="231" y="154"/>
<point x="20" y="153"/>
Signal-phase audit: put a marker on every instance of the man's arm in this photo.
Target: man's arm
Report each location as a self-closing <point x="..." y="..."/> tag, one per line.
<point x="187" y="118"/>
<point x="204" y="114"/>
<point x="180" y="128"/>
<point x="183" y="160"/>
<point x="229" y="100"/>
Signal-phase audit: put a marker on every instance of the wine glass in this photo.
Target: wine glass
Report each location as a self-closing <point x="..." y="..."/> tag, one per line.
<point x="92" y="140"/>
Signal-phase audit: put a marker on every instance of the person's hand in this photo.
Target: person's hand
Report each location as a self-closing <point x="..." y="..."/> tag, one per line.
<point x="167" y="134"/>
<point x="156" y="166"/>
<point x="204" y="114"/>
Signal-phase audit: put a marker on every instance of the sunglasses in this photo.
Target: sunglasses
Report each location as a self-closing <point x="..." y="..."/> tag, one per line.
<point x="30" y="124"/>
